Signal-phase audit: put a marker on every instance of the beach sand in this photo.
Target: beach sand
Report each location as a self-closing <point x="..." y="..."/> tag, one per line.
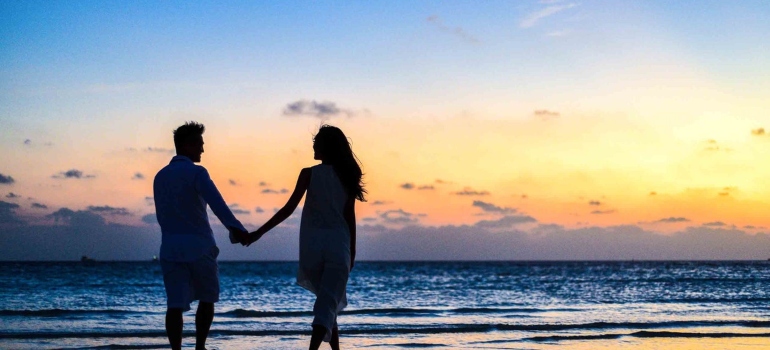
<point x="493" y="340"/>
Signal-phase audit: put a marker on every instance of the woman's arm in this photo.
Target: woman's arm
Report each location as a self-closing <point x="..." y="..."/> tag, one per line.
<point x="299" y="190"/>
<point x="350" y="217"/>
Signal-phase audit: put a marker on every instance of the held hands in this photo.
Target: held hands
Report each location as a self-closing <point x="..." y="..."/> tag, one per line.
<point x="245" y="238"/>
<point x="239" y="235"/>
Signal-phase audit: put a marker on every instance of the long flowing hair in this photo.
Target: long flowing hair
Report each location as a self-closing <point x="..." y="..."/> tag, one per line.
<point x="333" y="146"/>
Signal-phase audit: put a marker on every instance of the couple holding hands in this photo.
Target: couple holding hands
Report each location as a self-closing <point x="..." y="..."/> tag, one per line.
<point x="188" y="252"/>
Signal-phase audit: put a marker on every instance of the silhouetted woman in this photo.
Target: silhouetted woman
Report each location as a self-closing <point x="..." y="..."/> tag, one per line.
<point x="327" y="239"/>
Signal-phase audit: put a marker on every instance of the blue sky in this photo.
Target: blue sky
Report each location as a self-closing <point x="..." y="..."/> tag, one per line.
<point x="545" y="106"/>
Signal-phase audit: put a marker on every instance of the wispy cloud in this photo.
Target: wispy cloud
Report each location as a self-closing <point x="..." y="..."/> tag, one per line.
<point x="272" y="191"/>
<point x="471" y="192"/>
<point x="12" y="195"/>
<point x="544" y="114"/>
<point x="673" y="220"/>
<point x="491" y="208"/>
<point x="8" y="214"/>
<point x="380" y="203"/>
<point x="72" y="174"/>
<point x="506" y="221"/>
<point x="596" y="203"/>
<point x="138" y="176"/>
<point x="534" y="17"/>
<point x="398" y="216"/>
<point x="558" y="33"/>
<point x="236" y="209"/>
<point x="713" y="146"/>
<point x="311" y="108"/>
<point x="6" y="179"/>
<point x="39" y="206"/>
<point x="457" y="32"/>
<point x="602" y="212"/>
<point x="108" y="210"/>
<point x="715" y="224"/>
<point x="29" y="143"/>
<point x="410" y="185"/>
<point x="759" y="132"/>
<point x="152" y="150"/>
<point x="727" y="191"/>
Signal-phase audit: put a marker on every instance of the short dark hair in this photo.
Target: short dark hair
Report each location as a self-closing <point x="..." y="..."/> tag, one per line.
<point x="184" y="133"/>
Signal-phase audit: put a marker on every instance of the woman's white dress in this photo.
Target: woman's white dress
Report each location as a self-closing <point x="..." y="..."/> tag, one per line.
<point x="324" y="246"/>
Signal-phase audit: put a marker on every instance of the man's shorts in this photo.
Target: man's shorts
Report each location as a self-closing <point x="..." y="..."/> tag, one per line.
<point x="188" y="281"/>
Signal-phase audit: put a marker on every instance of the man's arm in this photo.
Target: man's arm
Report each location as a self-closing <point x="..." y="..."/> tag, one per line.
<point x="350" y="218"/>
<point x="211" y="195"/>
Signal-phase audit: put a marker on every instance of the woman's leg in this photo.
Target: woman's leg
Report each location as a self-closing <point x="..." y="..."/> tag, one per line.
<point x="330" y="293"/>
<point x="319" y="332"/>
<point x="335" y="341"/>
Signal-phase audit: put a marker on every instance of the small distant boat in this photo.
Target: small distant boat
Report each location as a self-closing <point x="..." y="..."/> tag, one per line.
<point x="154" y="258"/>
<point x="87" y="261"/>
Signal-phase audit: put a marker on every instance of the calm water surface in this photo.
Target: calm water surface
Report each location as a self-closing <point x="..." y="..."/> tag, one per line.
<point x="498" y="305"/>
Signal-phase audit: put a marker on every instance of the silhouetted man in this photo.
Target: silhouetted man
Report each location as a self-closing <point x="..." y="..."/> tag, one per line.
<point x="188" y="251"/>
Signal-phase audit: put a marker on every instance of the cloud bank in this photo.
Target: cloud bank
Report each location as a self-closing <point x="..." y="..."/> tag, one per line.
<point x="67" y="234"/>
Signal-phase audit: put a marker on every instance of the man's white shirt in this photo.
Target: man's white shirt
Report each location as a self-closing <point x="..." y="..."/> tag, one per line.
<point x="182" y="190"/>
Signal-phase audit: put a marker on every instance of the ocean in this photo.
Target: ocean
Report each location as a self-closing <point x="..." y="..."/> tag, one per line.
<point x="402" y="305"/>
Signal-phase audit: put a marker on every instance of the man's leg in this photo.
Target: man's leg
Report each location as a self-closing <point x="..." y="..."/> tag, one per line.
<point x="176" y="280"/>
<point x="174" y="325"/>
<point x="203" y="319"/>
<point x="205" y="277"/>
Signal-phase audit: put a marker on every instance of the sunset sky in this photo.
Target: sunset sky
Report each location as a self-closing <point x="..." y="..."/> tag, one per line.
<point x="474" y="121"/>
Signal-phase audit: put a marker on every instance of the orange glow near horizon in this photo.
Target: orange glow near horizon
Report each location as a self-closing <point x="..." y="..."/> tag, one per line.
<point x="574" y="172"/>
